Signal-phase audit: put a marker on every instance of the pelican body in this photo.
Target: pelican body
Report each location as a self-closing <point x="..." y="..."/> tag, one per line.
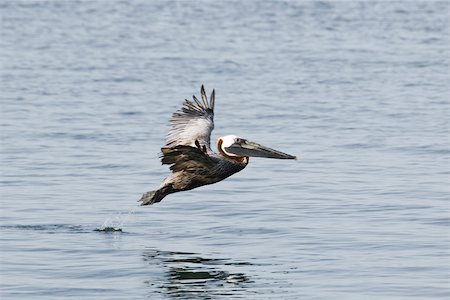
<point x="187" y="150"/>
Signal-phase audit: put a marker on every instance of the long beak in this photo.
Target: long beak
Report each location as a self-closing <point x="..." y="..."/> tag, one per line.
<point x="243" y="147"/>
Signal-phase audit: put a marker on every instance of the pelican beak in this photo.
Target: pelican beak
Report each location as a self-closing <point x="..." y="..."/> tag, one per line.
<point x="243" y="147"/>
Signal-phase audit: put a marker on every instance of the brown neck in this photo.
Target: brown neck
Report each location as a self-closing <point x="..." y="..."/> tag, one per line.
<point x="239" y="159"/>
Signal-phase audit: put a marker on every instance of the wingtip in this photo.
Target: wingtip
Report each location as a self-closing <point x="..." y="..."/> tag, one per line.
<point x="204" y="98"/>
<point x="212" y="99"/>
<point x="202" y="90"/>
<point x="196" y="100"/>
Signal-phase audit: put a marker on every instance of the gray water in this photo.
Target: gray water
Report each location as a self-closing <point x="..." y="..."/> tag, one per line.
<point x="358" y="90"/>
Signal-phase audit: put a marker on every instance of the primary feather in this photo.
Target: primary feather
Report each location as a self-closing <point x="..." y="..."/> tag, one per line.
<point x="194" y="121"/>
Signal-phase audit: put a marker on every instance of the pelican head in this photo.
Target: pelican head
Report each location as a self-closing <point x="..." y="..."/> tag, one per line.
<point x="234" y="146"/>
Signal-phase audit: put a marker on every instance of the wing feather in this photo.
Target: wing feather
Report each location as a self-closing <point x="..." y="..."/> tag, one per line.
<point x="194" y="121"/>
<point x="187" y="158"/>
<point x="204" y="99"/>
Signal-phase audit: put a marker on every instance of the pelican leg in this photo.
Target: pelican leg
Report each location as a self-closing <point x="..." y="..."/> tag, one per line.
<point x="152" y="197"/>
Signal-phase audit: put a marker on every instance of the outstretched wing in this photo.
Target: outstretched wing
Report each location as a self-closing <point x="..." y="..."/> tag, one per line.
<point x="187" y="158"/>
<point x="194" y="121"/>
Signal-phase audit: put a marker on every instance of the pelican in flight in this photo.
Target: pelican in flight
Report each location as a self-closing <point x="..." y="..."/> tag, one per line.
<point x="188" y="151"/>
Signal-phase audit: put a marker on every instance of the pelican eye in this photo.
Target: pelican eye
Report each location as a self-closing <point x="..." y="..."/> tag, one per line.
<point x="238" y="140"/>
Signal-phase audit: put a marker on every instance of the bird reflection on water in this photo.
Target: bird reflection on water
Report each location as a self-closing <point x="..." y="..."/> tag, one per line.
<point x="188" y="275"/>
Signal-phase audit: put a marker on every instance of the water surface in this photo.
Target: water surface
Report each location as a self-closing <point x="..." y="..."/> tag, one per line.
<point x="358" y="90"/>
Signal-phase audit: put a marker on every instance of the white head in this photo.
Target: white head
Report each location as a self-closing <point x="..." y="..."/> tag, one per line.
<point x="225" y="142"/>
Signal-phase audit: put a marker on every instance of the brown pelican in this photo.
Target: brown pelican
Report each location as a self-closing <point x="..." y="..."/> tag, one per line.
<point x="188" y="152"/>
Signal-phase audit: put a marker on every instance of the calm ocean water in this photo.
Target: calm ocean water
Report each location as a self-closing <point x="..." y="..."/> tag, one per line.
<point x="358" y="90"/>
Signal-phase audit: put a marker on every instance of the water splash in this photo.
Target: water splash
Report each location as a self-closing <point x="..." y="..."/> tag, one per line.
<point x="115" y="223"/>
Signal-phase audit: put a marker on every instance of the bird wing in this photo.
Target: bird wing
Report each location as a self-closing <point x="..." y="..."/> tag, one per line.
<point x="189" y="159"/>
<point x="193" y="122"/>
